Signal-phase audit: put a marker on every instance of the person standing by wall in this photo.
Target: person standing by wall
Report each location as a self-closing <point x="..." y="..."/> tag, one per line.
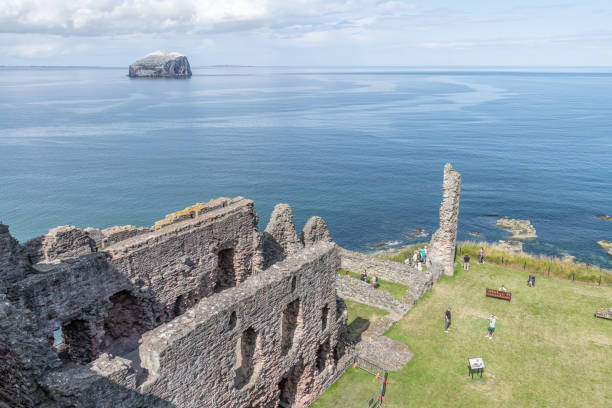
<point x="447" y="319"/>
<point x="374" y="281"/>
<point x="481" y="255"/>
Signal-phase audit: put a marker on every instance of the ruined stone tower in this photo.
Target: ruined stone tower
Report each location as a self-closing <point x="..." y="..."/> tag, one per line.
<point x="441" y="251"/>
<point x="201" y="310"/>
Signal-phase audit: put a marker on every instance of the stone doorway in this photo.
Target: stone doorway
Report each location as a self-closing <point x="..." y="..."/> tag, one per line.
<point x="226" y="274"/>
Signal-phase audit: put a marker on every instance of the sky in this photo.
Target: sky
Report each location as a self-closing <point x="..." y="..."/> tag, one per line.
<point x="308" y="32"/>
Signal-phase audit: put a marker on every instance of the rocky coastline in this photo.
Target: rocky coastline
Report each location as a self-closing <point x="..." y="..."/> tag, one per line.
<point x="607" y="245"/>
<point x="520" y="229"/>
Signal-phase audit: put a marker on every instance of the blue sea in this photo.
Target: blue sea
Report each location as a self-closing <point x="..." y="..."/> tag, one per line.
<point x="362" y="147"/>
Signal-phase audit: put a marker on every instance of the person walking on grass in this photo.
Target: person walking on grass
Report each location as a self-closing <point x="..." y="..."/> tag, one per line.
<point x="447" y="319"/>
<point x="481" y="255"/>
<point x="491" y="328"/>
<point x="466" y="262"/>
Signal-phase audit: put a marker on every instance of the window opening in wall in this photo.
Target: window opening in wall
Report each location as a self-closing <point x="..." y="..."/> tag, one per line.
<point x="339" y="351"/>
<point x="288" y="386"/>
<point x="324" y="316"/>
<point x="245" y="357"/>
<point x="290" y="323"/>
<point x="232" y="321"/>
<point x="58" y="338"/>
<point x="322" y="355"/>
<point x="293" y="284"/>
<point x="125" y="321"/>
<point x="178" y="306"/>
<point x="226" y="275"/>
<point x="78" y="346"/>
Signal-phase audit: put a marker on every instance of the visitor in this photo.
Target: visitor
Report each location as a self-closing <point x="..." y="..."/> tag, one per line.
<point x="466" y="262"/>
<point x="374" y="281"/>
<point x="502" y="288"/>
<point x="447" y="319"/>
<point x="420" y="266"/>
<point x="419" y="256"/>
<point x="481" y="255"/>
<point x="422" y="252"/>
<point x="364" y="276"/>
<point x="491" y="328"/>
<point x="414" y="258"/>
<point x="531" y="281"/>
<point x="408" y="261"/>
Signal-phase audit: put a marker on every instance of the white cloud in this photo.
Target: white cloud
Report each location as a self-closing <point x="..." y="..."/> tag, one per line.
<point x="105" y="17"/>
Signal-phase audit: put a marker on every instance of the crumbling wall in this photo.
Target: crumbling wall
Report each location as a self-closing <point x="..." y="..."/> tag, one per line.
<point x="23" y="358"/>
<point x="227" y="350"/>
<point x="157" y="274"/>
<point x="13" y="260"/>
<point x="279" y="237"/>
<point x="354" y="289"/>
<point x="441" y="253"/>
<point x="171" y="351"/>
<point x="419" y="282"/>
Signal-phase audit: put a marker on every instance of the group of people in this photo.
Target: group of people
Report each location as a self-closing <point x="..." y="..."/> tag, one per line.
<point x="418" y="259"/>
<point x="364" y="278"/>
<point x="490" y="329"/>
<point x="466" y="259"/>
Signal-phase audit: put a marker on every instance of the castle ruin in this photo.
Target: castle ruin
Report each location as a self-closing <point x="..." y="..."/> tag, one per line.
<point x="200" y="310"/>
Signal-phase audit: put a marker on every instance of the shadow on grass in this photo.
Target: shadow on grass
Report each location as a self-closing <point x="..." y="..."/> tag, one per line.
<point x="357" y="327"/>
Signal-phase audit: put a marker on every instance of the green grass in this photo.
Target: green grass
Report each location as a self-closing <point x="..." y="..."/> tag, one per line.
<point x="397" y="290"/>
<point x="548" y="350"/>
<point x="360" y="317"/>
<point x="540" y="265"/>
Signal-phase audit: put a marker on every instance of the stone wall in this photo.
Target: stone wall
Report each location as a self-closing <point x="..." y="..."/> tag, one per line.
<point x="441" y="252"/>
<point x="215" y="329"/>
<point x="418" y="282"/>
<point x="159" y="274"/>
<point x="354" y="289"/>
<point x="180" y="367"/>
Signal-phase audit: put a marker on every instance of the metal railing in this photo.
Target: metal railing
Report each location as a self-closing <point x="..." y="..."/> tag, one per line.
<point x="382" y="376"/>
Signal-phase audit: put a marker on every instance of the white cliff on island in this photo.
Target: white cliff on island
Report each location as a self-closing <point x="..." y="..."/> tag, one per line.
<point x="161" y="64"/>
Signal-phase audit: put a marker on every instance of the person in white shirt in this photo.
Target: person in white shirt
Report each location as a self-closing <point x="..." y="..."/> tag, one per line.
<point x="503" y="288"/>
<point x="491" y="328"/>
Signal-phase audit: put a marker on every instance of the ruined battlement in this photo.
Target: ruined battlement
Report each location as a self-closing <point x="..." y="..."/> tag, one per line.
<point x="130" y="321"/>
<point x="200" y="310"/>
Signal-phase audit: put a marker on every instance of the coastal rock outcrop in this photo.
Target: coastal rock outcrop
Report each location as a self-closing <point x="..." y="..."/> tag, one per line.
<point x="521" y="229"/>
<point x="441" y="255"/>
<point x="510" y="246"/>
<point x="607" y="245"/>
<point x="161" y="64"/>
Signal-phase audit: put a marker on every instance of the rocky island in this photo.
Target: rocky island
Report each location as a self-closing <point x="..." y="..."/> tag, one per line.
<point x="521" y="229"/>
<point x="161" y="64"/>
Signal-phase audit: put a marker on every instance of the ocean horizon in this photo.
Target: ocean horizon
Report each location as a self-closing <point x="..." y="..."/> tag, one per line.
<point x="362" y="147"/>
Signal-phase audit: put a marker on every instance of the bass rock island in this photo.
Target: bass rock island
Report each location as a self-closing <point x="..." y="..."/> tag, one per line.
<point x="161" y="64"/>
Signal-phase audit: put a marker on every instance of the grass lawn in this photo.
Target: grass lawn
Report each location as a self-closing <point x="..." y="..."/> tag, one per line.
<point x="397" y="290"/>
<point x="548" y="350"/>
